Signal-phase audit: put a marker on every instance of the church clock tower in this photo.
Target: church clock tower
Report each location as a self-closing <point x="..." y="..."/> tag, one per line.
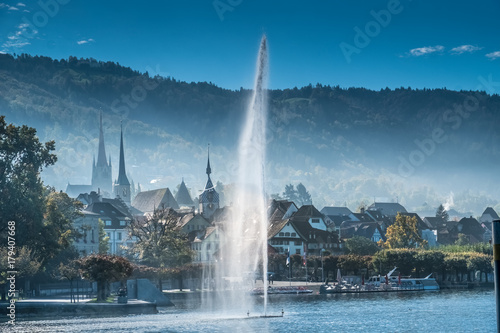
<point x="209" y="199"/>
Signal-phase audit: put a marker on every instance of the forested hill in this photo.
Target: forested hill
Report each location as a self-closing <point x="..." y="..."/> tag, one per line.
<point x="344" y="144"/>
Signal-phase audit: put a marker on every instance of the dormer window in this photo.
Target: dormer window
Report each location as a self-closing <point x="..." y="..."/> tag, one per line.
<point x="315" y="220"/>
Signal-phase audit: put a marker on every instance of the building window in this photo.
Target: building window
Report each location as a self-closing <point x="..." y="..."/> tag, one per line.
<point x="294" y="234"/>
<point x="93" y="241"/>
<point x="108" y="222"/>
<point x="282" y="234"/>
<point x="287" y="234"/>
<point x="315" y="220"/>
<point x="297" y="251"/>
<point x="109" y="235"/>
<point x="122" y="223"/>
<point x="286" y="243"/>
<point x="298" y="243"/>
<point x="119" y="236"/>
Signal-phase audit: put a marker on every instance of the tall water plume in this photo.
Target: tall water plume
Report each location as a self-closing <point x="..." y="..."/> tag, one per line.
<point x="243" y="257"/>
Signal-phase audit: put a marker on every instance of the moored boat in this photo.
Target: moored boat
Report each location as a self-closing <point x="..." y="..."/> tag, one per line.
<point x="281" y="290"/>
<point x="383" y="283"/>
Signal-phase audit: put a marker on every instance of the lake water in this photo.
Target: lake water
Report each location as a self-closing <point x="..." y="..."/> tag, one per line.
<point x="441" y="311"/>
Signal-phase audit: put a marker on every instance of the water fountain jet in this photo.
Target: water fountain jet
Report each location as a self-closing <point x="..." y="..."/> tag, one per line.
<point x="243" y="248"/>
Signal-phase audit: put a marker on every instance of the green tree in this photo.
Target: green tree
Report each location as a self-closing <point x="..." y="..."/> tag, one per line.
<point x="159" y="242"/>
<point x="361" y="246"/>
<point x="386" y="260"/>
<point x="442" y="213"/>
<point x="353" y="264"/>
<point x="290" y="193"/>
<point x="103" y="269"/>
<point x="427" y="262"/>
<point x="22" y="158"/>
<point x="462" y="240"/>
<point x="27" y="264"/>
<point x="103" y="239"/>
<point x="303" y="196"/>
<point x="403" y="234"/>
<point x="69" y="272"/>
<point x="57" y="232"/>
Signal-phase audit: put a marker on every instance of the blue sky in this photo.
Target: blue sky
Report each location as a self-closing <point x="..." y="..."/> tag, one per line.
<point x="413" y="43"/>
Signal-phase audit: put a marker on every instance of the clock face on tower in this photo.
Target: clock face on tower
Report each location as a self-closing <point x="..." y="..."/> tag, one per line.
<point x="210" y="196"/>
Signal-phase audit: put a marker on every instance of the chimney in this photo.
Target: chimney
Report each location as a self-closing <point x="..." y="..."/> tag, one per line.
<point x="362" y="210"/>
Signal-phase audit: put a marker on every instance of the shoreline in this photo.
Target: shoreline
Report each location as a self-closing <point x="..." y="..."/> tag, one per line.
<point x="26" y="310"/>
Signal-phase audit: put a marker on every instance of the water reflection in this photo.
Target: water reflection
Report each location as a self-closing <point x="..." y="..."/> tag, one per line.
<point x="441" y="311"/>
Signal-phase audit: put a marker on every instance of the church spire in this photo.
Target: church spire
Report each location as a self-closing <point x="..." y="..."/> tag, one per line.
<point x="209" y="198"/>
<point x="101" y="153"/>
<point x="209" y="170"/>
<point x="122" y="176"/>
<point x="101" y="170"/>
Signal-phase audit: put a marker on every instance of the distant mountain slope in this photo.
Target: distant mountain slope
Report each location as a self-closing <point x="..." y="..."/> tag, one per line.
<point x="343" y="144"/>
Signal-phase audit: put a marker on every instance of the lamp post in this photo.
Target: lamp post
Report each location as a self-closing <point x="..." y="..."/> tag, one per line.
<point x="322" y="270"/>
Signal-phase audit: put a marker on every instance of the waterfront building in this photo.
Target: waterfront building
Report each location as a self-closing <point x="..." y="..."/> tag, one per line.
<point x="299" y="230"/>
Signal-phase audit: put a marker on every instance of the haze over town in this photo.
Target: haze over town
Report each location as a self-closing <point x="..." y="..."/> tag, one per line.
<point x="347" y="146"/>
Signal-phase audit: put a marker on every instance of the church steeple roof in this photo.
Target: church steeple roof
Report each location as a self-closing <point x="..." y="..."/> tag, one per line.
<point x="182" y="196"/>
<point x="101" y="153"/>
<point x="209" y="170"/>
<point x="122" y="176"/>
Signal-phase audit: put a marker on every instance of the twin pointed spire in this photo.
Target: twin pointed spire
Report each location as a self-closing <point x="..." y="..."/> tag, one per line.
<point x="101" y="153"/>
<point x="122" y="176"/>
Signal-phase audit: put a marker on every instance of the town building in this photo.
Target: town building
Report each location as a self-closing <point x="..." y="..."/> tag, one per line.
<point x="115" y="221"/>
<point x="148" y="201"/>
<point x="299" y="230"/>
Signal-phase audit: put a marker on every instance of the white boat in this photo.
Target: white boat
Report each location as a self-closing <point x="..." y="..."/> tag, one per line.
<point x="382" y="283"/>
<point x="281" y="290"/>
<point x="392" y="282"/>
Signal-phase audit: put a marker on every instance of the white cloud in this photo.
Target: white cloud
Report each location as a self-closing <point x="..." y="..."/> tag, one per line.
<point x="85" y="41"/>
<point x="20" y="4"/>
<point x="15" y="43"/>
<point x="13" y="8"/>
<point x="465" y="48"/>
<point x="493" y="55"/>
<point x="420" y="51"/>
